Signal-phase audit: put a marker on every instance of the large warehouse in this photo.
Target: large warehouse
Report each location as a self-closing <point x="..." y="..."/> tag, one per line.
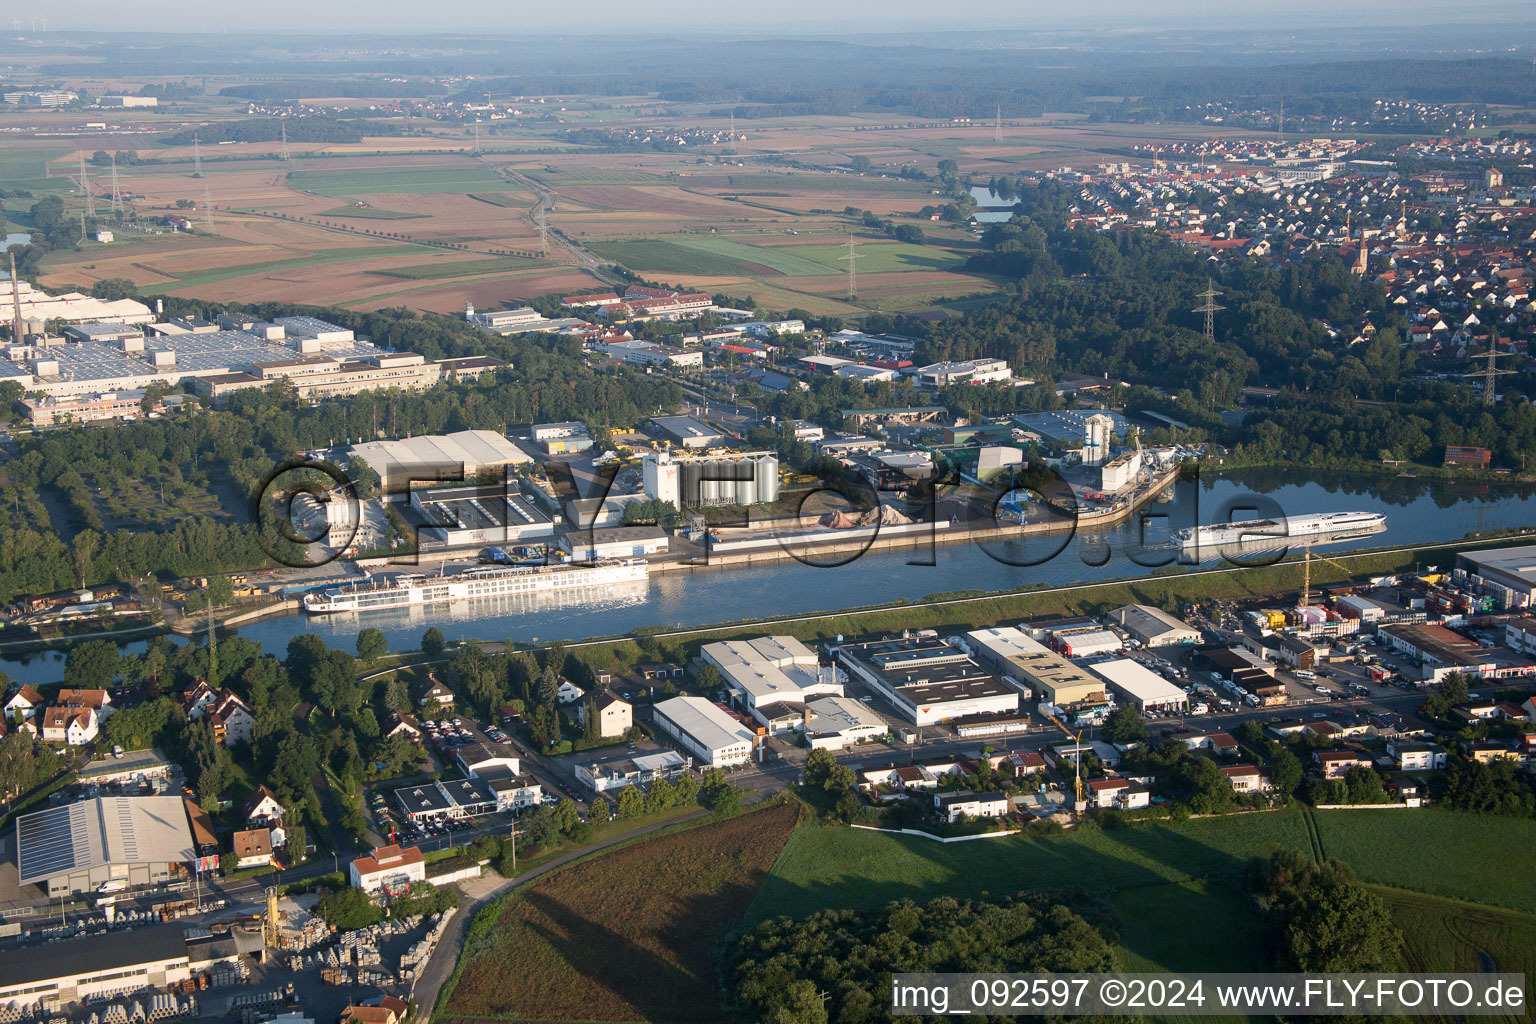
<point x="58" y="973"/>
<point x="1031" y="664"/>
<point x="770" y="670"/>
<point x="1512" y="570"/>
<point x="434" y="456"/>
<point x="1139" y="686"/>
<point x="1153" y="626"/>
<point x="492" y="514"/>
<point x="76" y="847"/>
<point x="926" y="679"/>
<point x="703" y="730"/>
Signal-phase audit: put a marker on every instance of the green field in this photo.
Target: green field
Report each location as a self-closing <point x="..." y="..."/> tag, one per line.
<point x="370" y="213"/>
<point x="27" y="168"/>
<point x="402" y="181"/>
<point x="460" y="268"/>
<point x="707" y="256"/>
<point x="592" y="176"/>
<point x="839" y="867"/>
<point x="1477" y="857"/>
<point x="883" y="257"/>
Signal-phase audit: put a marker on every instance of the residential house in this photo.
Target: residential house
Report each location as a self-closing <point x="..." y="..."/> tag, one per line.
<point x="1335" y="764"/>
<point x="72" y="726"/>
<point x="569" y="692"/>
<point x="99" y="701"/>
<point x="907" y="777"/>
<point x="614" y="715"/>
<point x="407" y="726"/>
<point x="1106" y="792"/>
<point x="24" y="703"/>
<point x="1027" y="762"/>
<point x="1245" y="778"/>
<point x="261" y="808"/>
<point x="434" y="694"/>
<point x="253" y="848"/>
<point x="1222" y="744"/>
<point x="1487" y="753"/>
<point x="1416" y="757"/>
<point x="232" y="720"/>
<point x="381" y="1010"/>
<point x="951" y="806"/>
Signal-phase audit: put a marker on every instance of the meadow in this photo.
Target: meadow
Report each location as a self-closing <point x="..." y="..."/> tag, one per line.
<point x="370" y="213"/>
<point x="461" y="268"/>
<point x="633" y="934"/>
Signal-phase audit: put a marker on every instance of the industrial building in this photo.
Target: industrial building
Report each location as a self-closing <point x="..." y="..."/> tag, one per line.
<point x="458" y="798"/>
<point x="614" y="542"/>
<point x="464" y="453"/>
<point x="770" y="671"/>
<point x="76" y="847"/>
<point x="1139" y="686"/>
<point x="318" y="359"/>
<point x="1085" y="641"/>
<point x="926" y="679"/>
<point x="561" y="438"/>
<point x="969" y="371"/>
<point x="694" y="481"/>
<point x="1509" y="571"/>
<point x="832" y="723"/>
<point x="1030" y="664"/>
<point x="686" y="431"/>
<point x="390" y="869"/>
<point x="650" y="353"/>
<point x="1153" y="627"/>
<point x="494" y="514"/>
<point x="58" y="973"/>
<point x="641" y="770"/>
<point x="705" y="731"/>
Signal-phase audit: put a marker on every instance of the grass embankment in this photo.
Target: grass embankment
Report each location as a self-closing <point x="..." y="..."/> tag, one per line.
<point x="630" y="935"/>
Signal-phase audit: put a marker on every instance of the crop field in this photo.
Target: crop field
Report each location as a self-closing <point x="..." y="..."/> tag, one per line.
<point x="1477" y="857"/>
<point x="369" y="213"/>
<point x="840" y="867"/>
<point x="397" y="181"/>
<point x="628" y="935"/>
<point x="460" y="268"/>
<point x="1449" y="935"/>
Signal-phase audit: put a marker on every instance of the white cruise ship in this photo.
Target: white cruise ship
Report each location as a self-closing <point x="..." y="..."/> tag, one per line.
<point x="406" y="590"/>
<point x="1283" y="530"/>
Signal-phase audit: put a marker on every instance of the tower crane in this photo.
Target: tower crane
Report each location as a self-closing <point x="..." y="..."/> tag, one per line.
<point x="1306" y="574"/>
<point x="1077" y="762"/>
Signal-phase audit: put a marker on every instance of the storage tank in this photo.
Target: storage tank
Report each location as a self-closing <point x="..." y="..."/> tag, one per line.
<point x="767" y="473"/>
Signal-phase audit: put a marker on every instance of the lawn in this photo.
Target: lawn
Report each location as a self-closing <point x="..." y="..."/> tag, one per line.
<point x="401" y="181"/>
<point x="1447" y="935"/>
<point x="1476" y="857"/>
<point x="707" y="256"/>
<point x="633" y="934"/>
<point x="883" y="257"/>
<point x="838" y="867"/>
<point x="460" y="268"/>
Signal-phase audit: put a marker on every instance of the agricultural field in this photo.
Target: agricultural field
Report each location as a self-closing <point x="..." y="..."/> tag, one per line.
<point x="629" y="935"/>
<point x="1476" y="857"/>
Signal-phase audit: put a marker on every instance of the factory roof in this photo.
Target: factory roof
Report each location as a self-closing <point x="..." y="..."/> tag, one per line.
<point x="423" y="456"/>
<point x="1145" y="620"/>
<point x="1518" y="562"/>
<point x="1138" y="682"/>
<point x="89" y="834"/>
<point x="478" y="508"/>
<point x="710" y="727"/>
<point x="683" y="427"/>
<point x="93" y="954"/>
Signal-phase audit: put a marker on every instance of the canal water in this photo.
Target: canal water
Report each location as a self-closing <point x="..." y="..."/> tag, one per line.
<point x="1419" y="511"/>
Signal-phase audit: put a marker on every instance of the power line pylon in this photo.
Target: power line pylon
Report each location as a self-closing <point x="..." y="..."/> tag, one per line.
<point x="1491" y="372"/>
<point x="207" y="210"/>
<point x="997" y="128"/>
<point x="477" y="136"/>
<point x="284" y="123"/>
<point x="543" y="230"/>
<point x="853" y="277"/>
<point x="1209" y="308"/>
<point x="117" y="192"/>
<point x="85" y="189"/>
<point x="197" y="157"/>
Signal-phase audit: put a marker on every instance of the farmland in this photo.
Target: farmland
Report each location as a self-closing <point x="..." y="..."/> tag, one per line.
<point x="629" y="935"/>
<point x="1476" y="857"/>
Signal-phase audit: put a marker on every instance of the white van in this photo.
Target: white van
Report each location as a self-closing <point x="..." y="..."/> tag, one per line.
<point x="1305" y="676"/>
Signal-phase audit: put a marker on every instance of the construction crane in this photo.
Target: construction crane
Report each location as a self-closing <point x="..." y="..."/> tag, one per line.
<point x="1077" y="780"/>
<point x="1306" y="574"/>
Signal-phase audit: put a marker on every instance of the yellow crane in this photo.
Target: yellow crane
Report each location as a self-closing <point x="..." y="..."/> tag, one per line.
<point x="1077" y="760"/>
<point x="1306" y="574"/>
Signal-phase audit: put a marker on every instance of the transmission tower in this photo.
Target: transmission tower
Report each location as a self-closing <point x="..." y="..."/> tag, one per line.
<point x="284" y="123"/>
<point x="733" y="115"/>
<point x="1491" y="371"/>
<point x="997" y="128"/>
<point x="853" y="277"/>
<point x="543" y="230"/>
<point x="117" y="192"/>
<point x="477" y="136"/>
<point x="1209" y="308"/>
<point x="85" y="188"/>
<point x="197" y="158"/>
<point x="207" y="210"/>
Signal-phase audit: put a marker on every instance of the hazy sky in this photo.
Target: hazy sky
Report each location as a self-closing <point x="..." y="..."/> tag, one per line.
<point x="790" y="17"/>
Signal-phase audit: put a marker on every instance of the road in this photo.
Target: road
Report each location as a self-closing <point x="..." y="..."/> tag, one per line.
<point x="547" y="197"/>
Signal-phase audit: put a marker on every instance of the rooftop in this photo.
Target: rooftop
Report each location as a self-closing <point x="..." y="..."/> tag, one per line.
<point x="113" y="830"/>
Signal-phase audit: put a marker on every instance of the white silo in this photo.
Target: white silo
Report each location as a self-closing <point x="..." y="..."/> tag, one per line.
<point x="1097" y="431"/>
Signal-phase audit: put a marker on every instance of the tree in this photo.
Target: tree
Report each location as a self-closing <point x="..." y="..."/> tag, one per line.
<point x="397" y="696"/>
<point x="93" y="664"/>
<point x="600" y="810"/>
<point x="722" y="797"/>
<point x="567" y="817"/>
<point x="1125" y="725"/>
<point x="348" y="909"/>
<point x="631" y="803"/>
<point x="859" y="164"/>
<point x="1285" y="771"/>
<point x="433" y="642"/>
<point x="1321" y="919"/>
<point x="372" y="644"/>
